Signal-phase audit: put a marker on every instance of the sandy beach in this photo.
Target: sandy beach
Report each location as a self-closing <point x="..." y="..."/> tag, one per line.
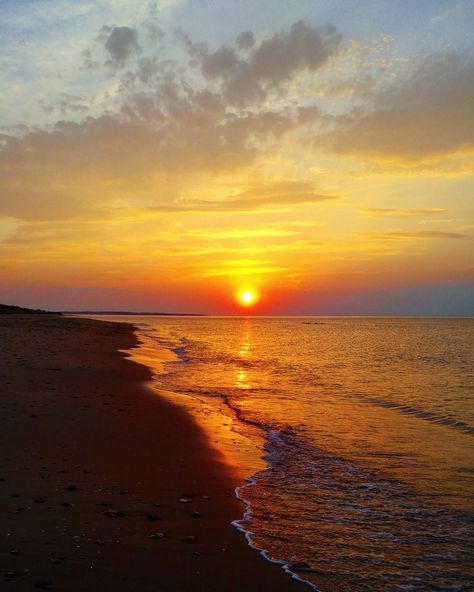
<point x="103" y="484"/>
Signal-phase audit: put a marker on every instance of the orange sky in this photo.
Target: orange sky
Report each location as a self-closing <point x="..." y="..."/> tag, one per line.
<point x="325" y="165"/>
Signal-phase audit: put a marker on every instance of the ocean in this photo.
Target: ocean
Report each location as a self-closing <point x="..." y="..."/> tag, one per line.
<point x="354" y="438"/>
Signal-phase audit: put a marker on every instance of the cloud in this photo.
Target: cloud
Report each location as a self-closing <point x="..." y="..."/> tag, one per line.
<point x="239" y="234"/>
<point x="66" y="104"/>
<point x="120" y="43"/>
<point x="401" y="212"/>
<point x="56" y="173"/>
<point x="245" y="40"/>
<point x="427" y="234"/>
<point x="269" y="64"/>
<point x="259" y="197"/>
<point x="163" y="130"/>
<point x="429" y="114"/>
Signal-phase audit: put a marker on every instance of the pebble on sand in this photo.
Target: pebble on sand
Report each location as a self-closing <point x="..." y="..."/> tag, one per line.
<point x="114" y="513"/>
<point x="153" y="517"/>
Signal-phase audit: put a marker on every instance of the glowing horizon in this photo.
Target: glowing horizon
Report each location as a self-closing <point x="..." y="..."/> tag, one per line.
<point x="180" y="156"/>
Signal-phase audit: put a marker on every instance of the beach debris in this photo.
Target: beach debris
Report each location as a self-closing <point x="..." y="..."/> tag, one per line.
<point x="156" y="535"/>
<point x="114" y="513"/>
<point x="299" y="565"/>
<point x="190" y="539"/>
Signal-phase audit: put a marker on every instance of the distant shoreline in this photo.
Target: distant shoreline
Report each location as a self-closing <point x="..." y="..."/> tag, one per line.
<point x="255" y="316"/>
<point x="10" y="309"/>
<point x="125" y="313"/>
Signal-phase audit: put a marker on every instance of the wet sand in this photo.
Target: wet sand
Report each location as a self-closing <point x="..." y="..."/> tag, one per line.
<point x="103" y="484"/>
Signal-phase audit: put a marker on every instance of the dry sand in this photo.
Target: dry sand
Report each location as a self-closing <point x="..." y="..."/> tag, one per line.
<point x="103" y="484"/>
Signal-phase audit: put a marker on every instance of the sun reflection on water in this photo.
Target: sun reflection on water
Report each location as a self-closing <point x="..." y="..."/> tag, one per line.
<point x="244" y="352"/>
<point x="242" y="379"/>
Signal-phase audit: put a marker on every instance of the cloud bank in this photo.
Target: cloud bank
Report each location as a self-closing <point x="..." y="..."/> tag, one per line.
<point x="163" y="126"/>
<point x="429" y="114"/>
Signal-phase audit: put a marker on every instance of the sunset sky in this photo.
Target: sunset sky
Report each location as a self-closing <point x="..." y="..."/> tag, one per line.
<point x="168" y="155"/>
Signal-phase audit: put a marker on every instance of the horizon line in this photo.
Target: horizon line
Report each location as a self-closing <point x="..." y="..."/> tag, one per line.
<point x="180" y="314"/>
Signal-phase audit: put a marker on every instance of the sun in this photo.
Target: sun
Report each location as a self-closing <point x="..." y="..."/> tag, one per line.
<point x="247" y="298"/>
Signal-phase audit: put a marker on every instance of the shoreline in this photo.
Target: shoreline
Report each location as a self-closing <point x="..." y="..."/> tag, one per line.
<point x="247" y="457"/>
<point x="104" y="484"/>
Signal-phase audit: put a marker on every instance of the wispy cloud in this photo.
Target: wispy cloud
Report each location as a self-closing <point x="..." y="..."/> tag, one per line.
<point x="427" y="234"/>
<point x="401" y="212"/>
<point x="266" y="195"/>
<point x="431" y="113"/>
<point x="241" y="234"/>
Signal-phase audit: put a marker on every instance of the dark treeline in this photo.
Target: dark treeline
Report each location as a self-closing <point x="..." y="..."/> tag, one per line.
<point x="9" y="309"/>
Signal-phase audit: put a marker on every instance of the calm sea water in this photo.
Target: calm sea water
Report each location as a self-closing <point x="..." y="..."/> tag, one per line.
<point x="366" y="426"/>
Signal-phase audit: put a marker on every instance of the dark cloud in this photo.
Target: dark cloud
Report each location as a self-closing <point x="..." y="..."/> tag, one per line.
<point x="270" y="64"/>
<point x="120" y="43"/>
<point x="430" y="114"/>
<point x="66" y="104"/>
<point x="245" y="40"/>
<point x="220" y="64"/>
